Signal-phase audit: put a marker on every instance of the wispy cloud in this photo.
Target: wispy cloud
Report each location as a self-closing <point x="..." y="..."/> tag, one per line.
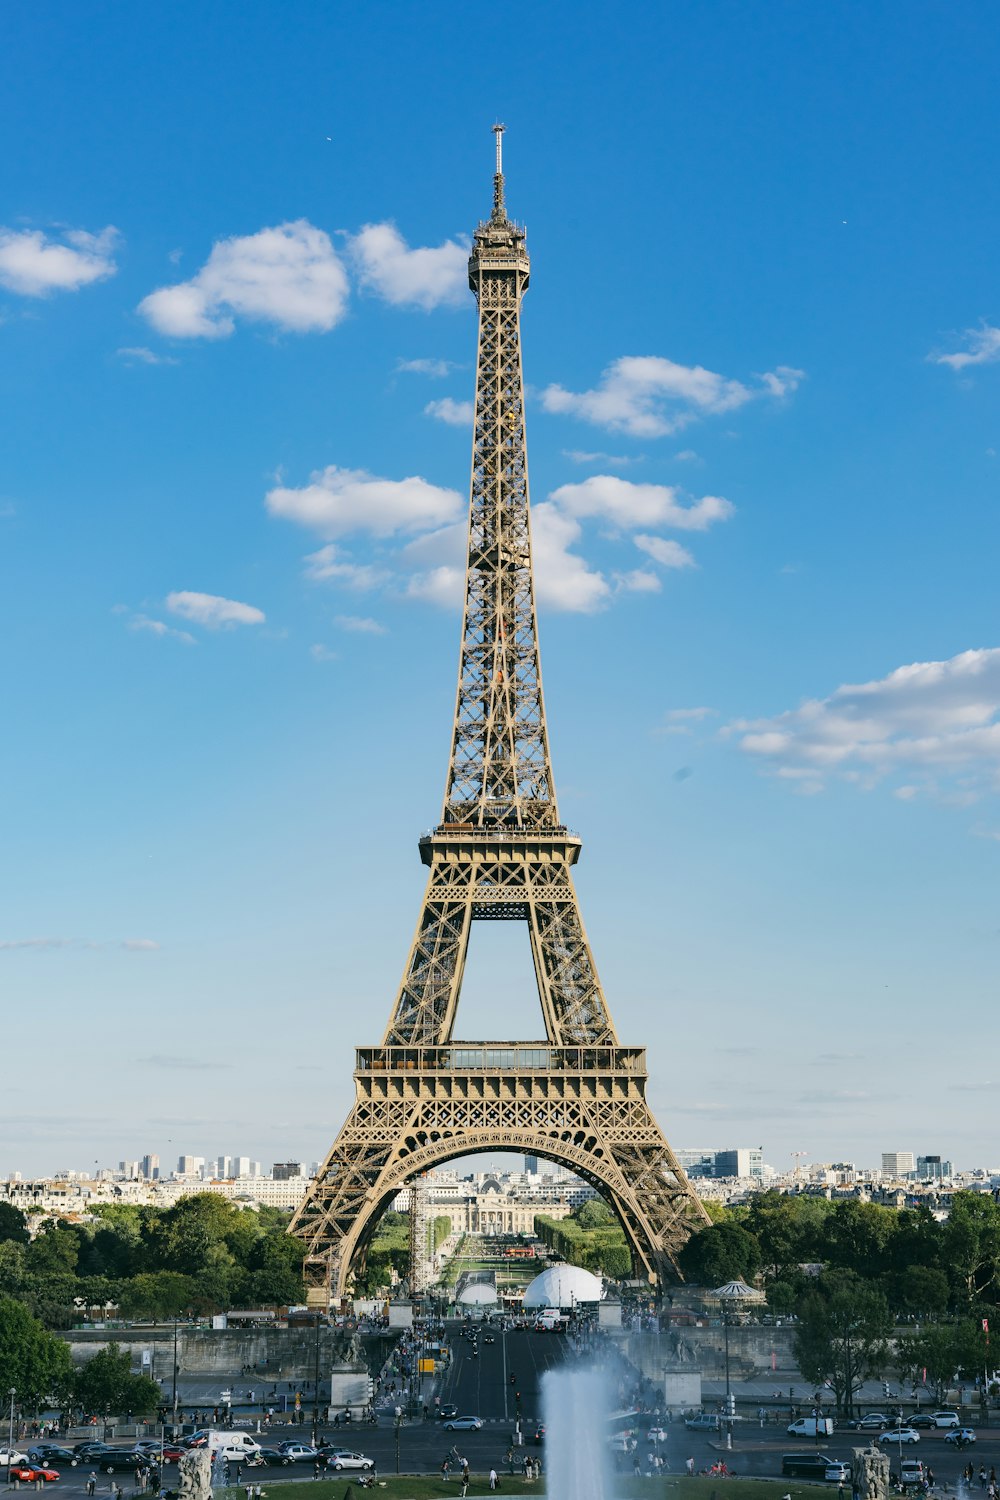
<point x="649" y="396"/>
<point x="982" y="347"/>
<point x="940" y="718"/>
<point x="34" y="264"/>
<point x="140" y="355"/>
<point x="360" y="624"/>
<point x="455" y="413"/>
<point x="425" y="277"/>
<point x="158" y="628"/>
<point x="581" y="456"/>
<point x="436" y="369"/>
<point x="289" y="276"/>
<point x="630" y="504"/>
<point x="322" y="653"/>
<point x="212" y="610"/>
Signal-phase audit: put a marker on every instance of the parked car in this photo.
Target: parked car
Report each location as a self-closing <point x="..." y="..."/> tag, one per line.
<point x="945" y="1419"/>
<point x="86" y="1452"/>
<point x="48" y="1454"/>
<point x="343" y="1459"/>
<point x="705" y="1421"/>
<point x="464" y="1424"/>
<point x="923" y="1421"/>
<point x="960" y="1436"/>
<point x="32" y="1473"/>
<point x="872" y="1421"/>
<point x="900" y="1435"/>
<point x="815" y="1466"/>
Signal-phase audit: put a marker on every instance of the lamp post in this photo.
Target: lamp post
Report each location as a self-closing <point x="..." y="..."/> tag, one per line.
<point x="173" y="1397"/>
<point x="315" y="1426"/>
<point x="729" y="1393"/>
<point x="10" y="1435"/>
<point x="397" y="1423"/>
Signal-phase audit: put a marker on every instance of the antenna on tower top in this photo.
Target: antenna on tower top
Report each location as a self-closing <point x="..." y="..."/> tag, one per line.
<point x="499" y="211"/>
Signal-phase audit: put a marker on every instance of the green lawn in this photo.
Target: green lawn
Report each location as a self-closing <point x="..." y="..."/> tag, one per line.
<point x="625" y="1487"/>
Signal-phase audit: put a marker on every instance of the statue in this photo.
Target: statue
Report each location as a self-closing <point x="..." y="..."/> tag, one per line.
<point x="194" y="1475"/>
<point x="870" y="1474"/>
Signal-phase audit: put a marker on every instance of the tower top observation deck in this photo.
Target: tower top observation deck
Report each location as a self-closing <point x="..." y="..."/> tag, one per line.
<point x="498" y="243"/>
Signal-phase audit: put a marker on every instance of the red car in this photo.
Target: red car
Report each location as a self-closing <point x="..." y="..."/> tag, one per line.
<point x="28" y="1473"/>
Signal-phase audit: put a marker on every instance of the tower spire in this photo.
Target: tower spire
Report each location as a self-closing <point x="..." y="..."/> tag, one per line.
<point x="499" y="210"/>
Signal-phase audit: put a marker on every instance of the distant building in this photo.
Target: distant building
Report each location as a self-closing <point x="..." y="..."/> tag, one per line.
<point x="745" y="1161"/>
<point x="697" y="1163"/>
<point x="898" y="1163"/>
<point x="531" y="1163"/>
<point x="285" y="1171"/>
<point x="933" y="1166"/>
<point x="150" y="1167"/>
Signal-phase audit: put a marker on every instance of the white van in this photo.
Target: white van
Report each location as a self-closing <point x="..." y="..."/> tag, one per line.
<point x="812" y="1427"/>
<point x="234" y="1447"/>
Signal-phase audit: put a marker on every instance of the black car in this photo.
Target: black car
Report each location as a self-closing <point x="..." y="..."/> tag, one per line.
<point x="115" y="1460"/>
<point x="922" y="1422"/>
<point x="50" y="1457"/>
<point x="815" y="1466"/>
<point x="445" y="1412"/>
<point x="85" y="1452"/>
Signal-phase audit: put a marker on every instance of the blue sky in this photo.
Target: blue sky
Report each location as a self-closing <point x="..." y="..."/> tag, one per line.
<point x="763" y="349"/>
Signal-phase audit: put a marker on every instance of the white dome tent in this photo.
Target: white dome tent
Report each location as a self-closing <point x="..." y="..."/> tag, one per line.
<point x="564" y="1287"/>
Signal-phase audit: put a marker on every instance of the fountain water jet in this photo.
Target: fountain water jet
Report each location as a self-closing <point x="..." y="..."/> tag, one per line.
<point x="575" y="1405"/>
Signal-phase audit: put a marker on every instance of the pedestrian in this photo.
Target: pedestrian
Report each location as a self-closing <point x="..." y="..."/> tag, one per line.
<point x="465" y="1486"/>
<point x="445" y="1467"/>
<point x="317" y="1469"/>
<point x="465" y="1470"/>
<point x="689" y="1466"/>
<point x="256" y="1492"/>
<point x="508" y="1459"/>
<point x="91" y="1483"/>
<point x="930" y="1477"/>
<point x="494" y="1481"/>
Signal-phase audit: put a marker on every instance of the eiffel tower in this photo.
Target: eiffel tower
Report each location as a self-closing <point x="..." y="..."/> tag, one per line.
<point x="500" y="853"/>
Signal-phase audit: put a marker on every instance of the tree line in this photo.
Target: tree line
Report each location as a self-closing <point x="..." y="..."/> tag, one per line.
<point x="870" y="1288"/>
<point x="204" y="1254"/>
<point x="35" y="1365"/>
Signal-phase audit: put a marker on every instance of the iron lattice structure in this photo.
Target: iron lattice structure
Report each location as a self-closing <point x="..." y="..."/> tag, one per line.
<point x="500" y="852"/>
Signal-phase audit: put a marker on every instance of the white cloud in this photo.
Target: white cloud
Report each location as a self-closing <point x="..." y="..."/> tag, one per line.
<point x="330" y="563"/>
<point x="437" y="369"/>
<point x="213" y="610"/>
<point x="455" y="413"/>
<point x="140" y="945"/>
<point x="360" y="624"/>
<point x="667" y="553"/>
<point x="696" y="714"/>
<point x="322" y="653"/>
<point x="289" y="275"/>
<point x="33" y="264"/>
<point x="563" y="578"/>
<point x="160" y="628"/>
<point x="427" y="277"/>
<point x="639" y="581"/>
<point x="648" y="396"/>
<point x="142" y="356"/>
<point x="581" y="456"/>
<point x="441" y="585"/>
<point x="629" y="504"/>
<point x="338" y="501"/>
<point x="941" y="718"/>
<point x="982" y="348"/>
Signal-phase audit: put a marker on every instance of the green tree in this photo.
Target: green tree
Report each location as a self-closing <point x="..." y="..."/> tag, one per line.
<point x="13" y="1224"/>
<point x="938" y="1349"/>
<point x="923" y="1291"/>
<point x="13" y="1268"/>
<point x="841" y="1336"/>
<point x="857" y="1237"/>
<point x="594" y="1214"/>
<point x="157" y="1294"/>
<point x="971" y="1246"/>
<point x="106" y="1384"/>
<point x="721" y="1252"/>
<point x="789" y="1230"/>
<point x="55" y="1249"/>
<point x="33" y="1361"/>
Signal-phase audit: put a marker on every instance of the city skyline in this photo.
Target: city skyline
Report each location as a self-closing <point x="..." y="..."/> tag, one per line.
<point x="236" y="361"/>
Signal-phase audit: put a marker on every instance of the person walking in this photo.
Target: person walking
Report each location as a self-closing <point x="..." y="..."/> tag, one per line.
<point x="689" y="1466"/>
<point x="465" y="1470"/>
<point x="494" y="1481"/>
<point x="91" y="1483"/>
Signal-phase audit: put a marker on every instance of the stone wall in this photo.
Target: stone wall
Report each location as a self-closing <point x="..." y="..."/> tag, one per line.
<point x="290" y="1352"/>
